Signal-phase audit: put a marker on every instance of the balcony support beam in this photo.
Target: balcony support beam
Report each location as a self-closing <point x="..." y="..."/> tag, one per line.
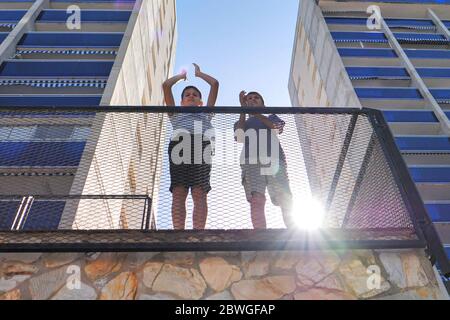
<point x="8" y="46"/>
<point x="416" y="78"/>
<point x="442" y="29"/>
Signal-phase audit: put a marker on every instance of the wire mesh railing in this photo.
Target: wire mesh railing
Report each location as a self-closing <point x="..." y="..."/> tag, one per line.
<point x="199" y="177"/>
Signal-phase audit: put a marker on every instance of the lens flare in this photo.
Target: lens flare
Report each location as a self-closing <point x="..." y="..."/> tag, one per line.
<point x="308" y="213"/>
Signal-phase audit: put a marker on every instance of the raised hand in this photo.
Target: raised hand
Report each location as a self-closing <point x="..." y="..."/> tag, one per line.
<point x="243" y="98"/>
<point x="197" y="70"/>
<point x="183" y="75"/>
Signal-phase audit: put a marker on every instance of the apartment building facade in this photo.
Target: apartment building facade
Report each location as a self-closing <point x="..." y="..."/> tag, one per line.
<point x="345" y="55"/>
<point x="72" y="54"/>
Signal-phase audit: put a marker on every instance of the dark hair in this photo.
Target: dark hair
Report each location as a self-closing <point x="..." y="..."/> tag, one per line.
<point x="259" y="95"/>
<point x="190" y="87"/>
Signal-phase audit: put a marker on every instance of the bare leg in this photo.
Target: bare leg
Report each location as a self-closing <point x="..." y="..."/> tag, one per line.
<point x="200" y="198"/>
<point x="179" y="195"/>
<point x="257" y="204"/>
<point x="286" y="209"/>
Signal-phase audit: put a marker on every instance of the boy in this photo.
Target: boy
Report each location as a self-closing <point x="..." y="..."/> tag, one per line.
<point x="190" y="174"/>
<point x="257" y="173"/>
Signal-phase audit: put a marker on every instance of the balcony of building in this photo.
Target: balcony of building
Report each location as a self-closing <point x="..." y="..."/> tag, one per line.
<point x="94" y="4"/>
<point x="104" y="184"/>
<point x="54" y="20"/>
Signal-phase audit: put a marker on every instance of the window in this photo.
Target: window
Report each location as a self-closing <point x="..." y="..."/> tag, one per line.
<point x="22" y="133"/>
<point x="4" y="132"/>
<point x="52" y="132"/>
<point x="30" y="215"/>
<point x="44" y="133"/>
<point x="81" y="133"/>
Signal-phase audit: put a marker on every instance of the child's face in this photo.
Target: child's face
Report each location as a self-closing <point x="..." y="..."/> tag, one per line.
<point x="254" y="100"/>
<point x="191" y="98"/>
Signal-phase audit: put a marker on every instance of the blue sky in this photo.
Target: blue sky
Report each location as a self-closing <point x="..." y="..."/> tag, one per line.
<point x="245" y="44"/>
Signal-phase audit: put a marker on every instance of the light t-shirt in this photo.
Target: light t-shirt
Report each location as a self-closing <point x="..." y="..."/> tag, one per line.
<point x="194" y="123"/>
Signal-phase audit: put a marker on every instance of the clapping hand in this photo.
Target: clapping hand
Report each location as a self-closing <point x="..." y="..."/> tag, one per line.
<point x="197" y="70"/>
<point x="183" y="75"/>
<point x="243" y="98"/>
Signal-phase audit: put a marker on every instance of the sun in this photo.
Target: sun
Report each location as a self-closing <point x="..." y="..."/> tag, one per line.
<point x="308" y="213"/>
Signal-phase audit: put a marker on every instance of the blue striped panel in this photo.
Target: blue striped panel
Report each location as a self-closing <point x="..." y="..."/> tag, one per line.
<point x="380" y="37"/>
<point x="395" y="72"/>
<point x="8" y="211"/>
<point x="441" y="94"/>
<point x="3" y="36"/>
<point x="420" y="37"/>
<point x="391" y="22"/>
<point x="409" y="1"/>
<point x="434" y="72"/>
<point x="54" y="114"/>
<point x="358" y="36"/>
<point x="44" y="215"/>
<point x="439" y="212"/>
<point x="430" y="175"/>
<point x="388" y="93"/>
<point x="56" y="68"/>
<point x="11" y="15"/>
<point x="91" y="1"/>
<point x="423" y="143"/>
<point x="357" y="72"/>
<point x="447" y="250"/>
<point x="44" y="101"/>
<point x="389" y="53"/>
<point x="410" y="116"/>
<point x="427" y="54"/>
<point x="369" y="53"/>
<point x="40" y="154"/>
<point x="400" y="93"/>
<point x="66" y="39"/>
<point x="347" y="21"/>
<point x="86" y="16"/>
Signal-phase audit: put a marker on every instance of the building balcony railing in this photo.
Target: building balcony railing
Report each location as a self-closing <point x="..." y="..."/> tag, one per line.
<point x="17" y="69"/>
<point x="54" y="15"/>
<point x="160" y="178"/>
<point x="70" y="39"/>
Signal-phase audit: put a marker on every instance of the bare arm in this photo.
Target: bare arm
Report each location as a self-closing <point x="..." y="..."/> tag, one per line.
<point x="266" y="121"/>
<point x="241" y="123"/>
<point x="167" y="88"/>
<point x="212" y="82"/>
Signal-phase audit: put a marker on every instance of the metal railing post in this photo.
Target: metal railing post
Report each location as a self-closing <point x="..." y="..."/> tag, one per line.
<point x="416" y="78"/>
<point x="439" y="24"/>
<point x="8" y="46"/>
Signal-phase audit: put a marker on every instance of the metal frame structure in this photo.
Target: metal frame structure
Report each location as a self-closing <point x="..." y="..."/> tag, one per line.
<point x="224" y="240"/>
<point x="416" y="78"/>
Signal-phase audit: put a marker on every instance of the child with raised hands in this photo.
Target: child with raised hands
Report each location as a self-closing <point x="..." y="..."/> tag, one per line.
<point x="263" y="169"/>
<point x="190" y="169"/>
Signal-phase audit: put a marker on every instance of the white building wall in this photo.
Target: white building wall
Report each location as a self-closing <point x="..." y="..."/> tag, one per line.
<point x="124" y="153"/>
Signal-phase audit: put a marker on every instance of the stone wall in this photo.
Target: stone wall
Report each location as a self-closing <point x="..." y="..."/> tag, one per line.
<point x="404" y="274"/>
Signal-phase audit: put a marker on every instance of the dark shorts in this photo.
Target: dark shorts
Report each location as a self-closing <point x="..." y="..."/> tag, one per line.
<point x="193" y="174"/>
<point x="276" y="184"/>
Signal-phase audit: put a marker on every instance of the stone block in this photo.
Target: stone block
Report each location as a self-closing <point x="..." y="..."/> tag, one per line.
<point x="269" y="288"/>
<point x="218" y="273"/>
<point x="183" y="282"/>
<point x="45" y="285"/>
<point x="122" y="287"/>
<point x="85" y="292"/>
